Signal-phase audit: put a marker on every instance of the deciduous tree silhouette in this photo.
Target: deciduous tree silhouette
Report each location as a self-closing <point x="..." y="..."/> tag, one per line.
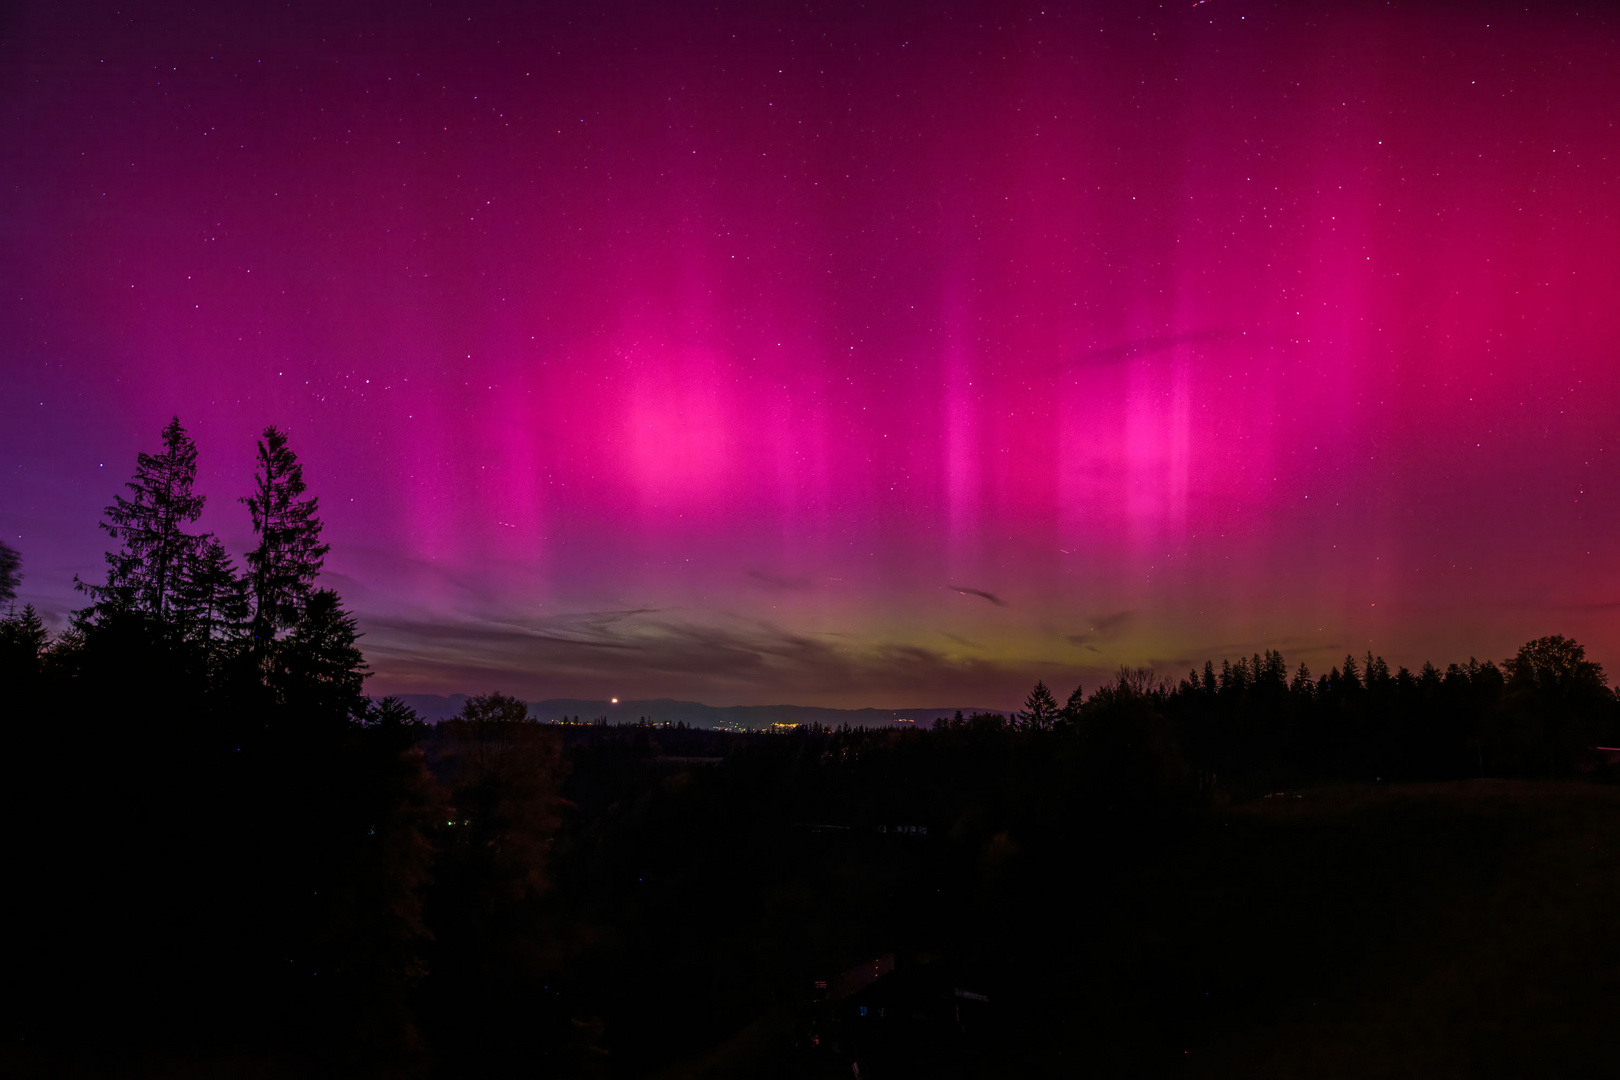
<point x="507" y="769"/>
<point x="1133" y="758"/>
<point x="505" y="774"/>
<point x="1556" y="698"/>
<point x="1556" y="665"/>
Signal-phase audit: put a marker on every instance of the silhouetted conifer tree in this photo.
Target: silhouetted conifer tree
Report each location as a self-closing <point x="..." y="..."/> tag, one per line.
<point x="1070" y="714"/>
<point x="145" y="573"/>
<point x="283" y="568"/>
<point x="22" y="640"/>
<point x="1040" y="708"/>
<point x="318" y="669"/>
<point x="212" y="598"/>
<point x="391" y="712"/>
<point x="10" y="571"/>
<point x="1376" y="672"/>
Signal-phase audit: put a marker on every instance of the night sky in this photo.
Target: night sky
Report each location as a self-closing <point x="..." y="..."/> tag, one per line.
<point x="838" y="354"/>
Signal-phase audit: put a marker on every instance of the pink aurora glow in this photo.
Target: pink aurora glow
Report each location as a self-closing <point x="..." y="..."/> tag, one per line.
<point x="716" y="357"/>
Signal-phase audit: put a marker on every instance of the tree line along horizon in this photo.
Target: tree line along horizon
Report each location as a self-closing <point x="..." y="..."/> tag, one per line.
<point x="199" y="738"/>
<point x="187" y="585"/>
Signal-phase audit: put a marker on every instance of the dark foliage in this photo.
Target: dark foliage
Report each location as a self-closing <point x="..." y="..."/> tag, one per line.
<point x="283" y="567"/>
<point x="228" y="847"/>
<point x="146" y="572"/>
<point x="1040" y="708"/>
<point x="10" y="571"/>
<point x="212" y="599"/>
<point x="1536" y="714"/>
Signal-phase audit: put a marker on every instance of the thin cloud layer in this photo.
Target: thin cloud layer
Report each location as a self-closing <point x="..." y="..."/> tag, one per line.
<point x="644" y="652"/>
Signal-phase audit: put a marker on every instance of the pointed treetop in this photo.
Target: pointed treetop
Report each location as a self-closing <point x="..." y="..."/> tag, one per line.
<point x="1040" y="708"/>
<point x="212" y="599"/>
<point x="283" y="567"/>
<point x="144" y="574"/>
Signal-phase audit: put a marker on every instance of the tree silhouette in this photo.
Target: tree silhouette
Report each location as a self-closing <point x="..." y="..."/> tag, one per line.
<point x="1070" y="713"/>
<point x="505" y="788"/>
<point x="1555" y="664"/>
<point x="1349" y="681"/>
<point x="318" y="668"/>
<point x="144" y="574"/>
<point x="22" y="639"/>
<point x="283" y="568"/>
<point x="391" y="712"/>
<point x="494" y="708"/>
<point x="10" y="571"/>
<point x="1555" y="695"/>
<point x="486" y="727"/>
<point x="212" y="599"/>
<point x="1040" y="708"/>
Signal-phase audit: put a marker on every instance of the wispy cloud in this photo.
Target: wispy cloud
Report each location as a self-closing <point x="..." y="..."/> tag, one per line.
<point x="965" y="591"/>
<point x="647" y="652"/>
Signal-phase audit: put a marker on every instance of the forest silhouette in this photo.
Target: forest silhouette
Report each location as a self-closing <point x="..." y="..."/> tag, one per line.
<point x="228" y="853"/>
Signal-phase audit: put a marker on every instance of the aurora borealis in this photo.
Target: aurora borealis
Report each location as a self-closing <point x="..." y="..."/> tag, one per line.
<point x="887" y="355"/>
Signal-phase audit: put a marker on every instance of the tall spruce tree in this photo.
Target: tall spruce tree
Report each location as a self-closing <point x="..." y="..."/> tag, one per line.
<point x="213" y="599"/>
<point x="283" y="568"/>
<point x="145" y="573"/>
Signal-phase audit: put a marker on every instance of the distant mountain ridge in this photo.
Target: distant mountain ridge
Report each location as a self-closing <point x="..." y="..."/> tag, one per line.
<point x="436" y="707"/>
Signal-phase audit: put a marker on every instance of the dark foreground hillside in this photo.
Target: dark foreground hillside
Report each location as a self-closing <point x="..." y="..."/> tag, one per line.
<point x="1435" y="929"/>
<point x="272" y="875"/>
<point x="1447" y="929"/>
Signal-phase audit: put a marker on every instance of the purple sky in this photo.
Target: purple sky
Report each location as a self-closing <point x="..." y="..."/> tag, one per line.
<point x="886" y="355"/>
